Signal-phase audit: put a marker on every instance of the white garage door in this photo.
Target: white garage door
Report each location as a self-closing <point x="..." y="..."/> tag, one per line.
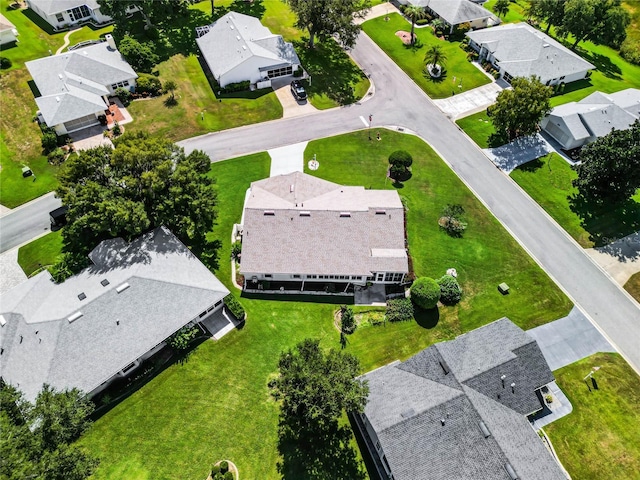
<point x="81" y="122"/>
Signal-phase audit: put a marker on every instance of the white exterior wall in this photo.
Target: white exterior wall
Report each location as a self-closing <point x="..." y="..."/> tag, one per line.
<point x="247" y="70"/>
<point x="96" y="16"/>
<point x="7" y="36"/>
<point x="357" y="279"/>
<point x="479" y="23"/>
<point x="60" y="129"/>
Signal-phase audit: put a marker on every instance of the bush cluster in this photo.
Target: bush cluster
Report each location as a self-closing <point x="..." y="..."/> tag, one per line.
<point x="180" y="340"/>
<point x="234" y="306"/>
<point x="5" y="63"/>
<point x="56" y="156"/>
<point x="425" y="293"/>
<point x="450" y="291"/>
<point x="630" y="51"/>
<point x="236" y="250"/>
<point x="451" y="220"/>
<point x="399" y="310"/>
<point x="237" y="87"/>
<point x="49" y="141"/>
<point x="147" y="83"/>
<point x="124" y="95"/>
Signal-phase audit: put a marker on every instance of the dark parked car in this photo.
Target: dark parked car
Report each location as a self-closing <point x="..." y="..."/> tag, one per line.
<point x="298" y="91"/>
<point x="58" y="217"/>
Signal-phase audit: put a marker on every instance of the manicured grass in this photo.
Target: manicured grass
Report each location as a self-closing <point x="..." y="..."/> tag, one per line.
<point x="40" y="253"/>
<point x="516" y="10"/>
<point x="411" y="60"/>
<point x="479" y="127"/>
<point x="633" y="286"/>
<point x="600" y="438"/>
<point x="548" y="181"/>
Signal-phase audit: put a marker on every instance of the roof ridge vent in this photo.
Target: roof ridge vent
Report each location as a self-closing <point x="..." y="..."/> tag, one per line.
<point x="512" y="473"/>
<point x="485" y="430"/>
<point x="122" y="287"/>
<point x="74" y="317"/>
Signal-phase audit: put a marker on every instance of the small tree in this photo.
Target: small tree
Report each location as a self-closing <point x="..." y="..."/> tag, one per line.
<point x="434" y="57"/>
<point x="49" y="141"/>
<point x="148" y="83"/>
<point x="414" y="13"/>
<point x="236" y="250"/>
<point x="170" y="86"/>
<point x="501" y="7"/>
<point x="347" y="319"/>
<point x="425" y="293"/>
<point x="141" y="56"/>
<point x="450" y="291"/>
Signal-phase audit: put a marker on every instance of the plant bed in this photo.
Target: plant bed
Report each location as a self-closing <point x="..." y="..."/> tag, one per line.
<point x="231" y="467"/>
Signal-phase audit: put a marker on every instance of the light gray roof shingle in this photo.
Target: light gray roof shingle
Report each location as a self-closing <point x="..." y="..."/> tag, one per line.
<point x="524" y="51"/>
<point x="55" y="6"/>
<point x="454" y="382"/>
<point x="168" y="287"/>
<point x="455" y="12"/>
<point x="318" y="227"/>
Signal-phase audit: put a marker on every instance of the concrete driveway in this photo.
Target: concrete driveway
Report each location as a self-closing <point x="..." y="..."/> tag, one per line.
<point x="569" y="339"/>
<point x="471" y="101"/>
<point x="90" y="138"/>
<point x="520" y="151"/>
<point x="620" y="259"/>
<point x="290" y="106"/>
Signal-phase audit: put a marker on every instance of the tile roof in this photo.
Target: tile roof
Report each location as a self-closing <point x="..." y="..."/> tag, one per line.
<point x="312" y="226"/>
<point x="455" y="12"/>
<point x="524" y="51"/>
<point x="429" y="411"/>
<point x="168" y="287"/>
<point x="72" y="83"/>
<point x="55" y="6"/>
<point x="235" y="38"/>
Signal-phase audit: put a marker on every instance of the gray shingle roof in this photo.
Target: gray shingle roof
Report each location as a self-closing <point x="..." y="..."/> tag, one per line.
<point x="524" y="51"/>
<point x="309" y="232"/>
<point x="455" y="12"/>
<point x="72" y="83"/>
<point x="168" y="287"/>
<point x="235" y="38"/>
<point x="55" y="6"/>
<point x="409" y="401"/>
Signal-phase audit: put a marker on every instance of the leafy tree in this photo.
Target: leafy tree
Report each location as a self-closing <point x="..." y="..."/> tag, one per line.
<point x="518" y="110"/>
<point x="414" y="13"/>
<point x="401" y="157"/>
<point x="425" y="293"/>
<point x="450" y="291"/>
<point x="549" y="11"/>
<point x="610" y="166"/>
<point x="347" y="319"/>
<point x="501" y="7"/>
<point x="170" y="86"/>
<point x="143" y="183"/>
<point x="49" y="140"/>
<point x="153" y="11"/>
<point x="435" y="57"/>
<point x="141" y="56"/>
<point x="600" y="21"/>
<point x="323" y="18"/>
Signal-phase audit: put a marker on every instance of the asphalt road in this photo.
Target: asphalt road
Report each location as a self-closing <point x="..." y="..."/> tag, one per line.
<point x="27" y="221"/>
<point x="399" y="102"/>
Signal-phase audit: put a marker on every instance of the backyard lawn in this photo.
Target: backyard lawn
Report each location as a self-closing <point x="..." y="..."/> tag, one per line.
<point x="411" y="60"/>
<point x="600" y="438"/>
<point x="548" y="181"/>
<point x="40" y="253"/>
<point x="217" y="405"/>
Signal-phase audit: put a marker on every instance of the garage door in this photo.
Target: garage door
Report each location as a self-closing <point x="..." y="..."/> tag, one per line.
<point x="81" y="122"/>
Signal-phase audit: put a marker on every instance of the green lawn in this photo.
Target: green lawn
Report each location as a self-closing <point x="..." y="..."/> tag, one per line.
<point x="548" y="181"/>
<point x="479" y="127"/>
<point x="633" y="286"/>
<point x="411" y="60"/>
<point x="216" y="405"/>
<point x="600" y="438"/>
<point x="40" y="253"/>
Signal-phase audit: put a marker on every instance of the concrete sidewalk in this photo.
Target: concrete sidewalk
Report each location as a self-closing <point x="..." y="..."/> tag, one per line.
<point x="473" y="101"/>
<point x="287" y="159"/>
<point x="378" y="11"/>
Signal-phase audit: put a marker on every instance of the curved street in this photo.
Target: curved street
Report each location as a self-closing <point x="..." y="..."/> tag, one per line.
<point x="399" y="102"/>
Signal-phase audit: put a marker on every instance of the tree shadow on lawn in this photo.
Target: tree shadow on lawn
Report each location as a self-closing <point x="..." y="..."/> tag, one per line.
<point x="317" y="453"/>
<point x="38" y="21"/>
<point x="603" y="64"/>
<point x="440" y="79"/>
<point x="531" y="166"/>
<point x="574" y="87"/>
<point x="426" y="318"/>
<point x="606" y="221"/>
<point x="254" y="8"/>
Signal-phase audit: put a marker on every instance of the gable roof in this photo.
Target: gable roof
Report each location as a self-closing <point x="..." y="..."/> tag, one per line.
<point x="72" y="83"/>
<point x="51" y="7"/>
<point x="168" y="287"/>
<point x="5" y="24"/>
<point x="455" y="12"/>
<point x="524" y="51"/>
<point x="429" y="412"/>
<point x="234" y="38"/>
<point x="317" y="227"/>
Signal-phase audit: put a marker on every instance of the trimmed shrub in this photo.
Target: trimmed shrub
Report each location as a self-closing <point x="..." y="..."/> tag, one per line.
<point x="124" y="95"/>
<point x="237" y="87"/>
<point x="234" y="306"/>
<point x="56" y="157"/>
<point x="425" y="293"/>
<point x="423" y="21"/>
<point x="148" y="84"/>
<point x="215" y="469"/>
<point x="400" y="157"/>
<point x="450" y="291"/>
<point x="228" y="476"/>
<point x="49" y="141"/>
<point x="347" y="319"/>
<point x="397" y="171"/>
<point x="399" y="310"/>
<point x="224" y="466"/>
<point x="5" y="63"/>
<point x="180" y="340"/>
<point x="236" y="250"/>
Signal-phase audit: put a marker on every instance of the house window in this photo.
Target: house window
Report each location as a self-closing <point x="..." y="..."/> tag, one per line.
<point x="268" y="276"/>
<point x="353" y="277"/>
<point x="295" y="276"/>
<point x="562" y="77"/>
<point x="120" y="84"/>
<point x="280" y="72"/>
<point x="397" y="277"/>
<point x="59" y="17"/>
<point x="78" y="13"/>
<point x="202" y="314"/>
<point x="128" y="367"/>
<point x="388" y="277"/>
<point x="312" y="276"/>
<point x="379" y="277"/>
<point x="377" y="445"/>
<point x="507" y="77"/>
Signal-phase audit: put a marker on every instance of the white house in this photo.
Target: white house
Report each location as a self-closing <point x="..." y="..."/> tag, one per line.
<point x="103" y="322"/>
<point x="302" y="229"/>
<point x="519" y="50"/>
<point x="75" y="86"/>
<point x="578" y="123"/>
<point x="456" y="12"/>
<point x="8" y="32"/>
<point x="238" y="48"/>
<point x="65" y="13"/>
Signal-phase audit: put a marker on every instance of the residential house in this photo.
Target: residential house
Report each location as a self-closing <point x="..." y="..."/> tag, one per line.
<point x="100" y="324"/>
<point x="300" y="228"/>
<point x="457" y="12"/>
<point x="519" y="50"/>
<point x="458" y="410"/>
<point x="66" y="13"/>
<point x="578" y="123"/>
<point x="8" y="31"/>
<point x="74" y="86"/>
<point x="239" y="48"/>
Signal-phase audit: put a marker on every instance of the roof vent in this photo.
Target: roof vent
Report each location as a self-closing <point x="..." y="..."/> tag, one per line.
<point x="231" y="27"/>
<point x="442" y="421"/>
<point x="122" y="287"/>
<point x="545" y="45"/>
<point x="60" y="76"/>
<point x="292" y="187"/>
<point x="345" y="214"/>
<point x="269" y="213"/>
<point x="58" y="99"/>
<point x="502" y="379"/>
<point x="74" y="317"/>
<point x="513" y="388"/>
<point x="3" y="321"/>
<point x="238" y="37"/>
<point x="244" y="47"/>
<point x="485" y="430"/>
<point x="381" y="212"/>
<point x="512" y="473"/>
<point x="81" y="296"/>
<point x="408" y="413"/>
<point x="305" y="214"/>
<point x="104" y="282"/>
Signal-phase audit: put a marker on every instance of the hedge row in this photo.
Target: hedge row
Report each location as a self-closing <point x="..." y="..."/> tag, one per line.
<point x="234" y="306"/>
<point x="399" y="310"/>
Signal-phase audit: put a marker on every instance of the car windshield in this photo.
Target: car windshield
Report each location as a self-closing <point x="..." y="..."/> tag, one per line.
<point x="299" y="89"/>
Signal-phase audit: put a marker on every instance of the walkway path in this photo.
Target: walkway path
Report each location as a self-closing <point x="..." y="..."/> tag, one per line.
<point x="620" y="259"/>
<point x="569" y="339"/>
<point x="10" y="272"/>
<point x="287" y="159"/>
<point x="520" y="151"/>
<point x="469" y="102"/>
<point x="66" y="40"/>
<point x="378" y="11"/>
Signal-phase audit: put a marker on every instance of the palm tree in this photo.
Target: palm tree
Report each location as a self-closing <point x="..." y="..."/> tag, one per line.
<point x="435" y="58"/>
<point x="501" y="7"/>
<point x="414" y="13"/>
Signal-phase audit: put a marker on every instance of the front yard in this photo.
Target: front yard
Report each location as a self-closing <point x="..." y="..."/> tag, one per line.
<point x="600" y="438"/>
<point x="458" y="70"/>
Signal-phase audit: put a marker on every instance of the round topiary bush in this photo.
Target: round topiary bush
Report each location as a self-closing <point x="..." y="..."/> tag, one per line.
<point x="5" y="63"/>
<point x="425" y="293"/>
<point x="400" y="157"/>
<point x="450" y="291"/>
